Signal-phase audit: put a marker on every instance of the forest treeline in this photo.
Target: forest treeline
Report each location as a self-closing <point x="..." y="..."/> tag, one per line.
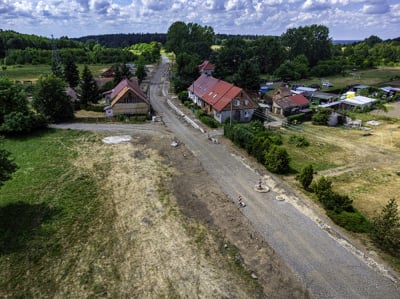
<point x="298" y="53"/>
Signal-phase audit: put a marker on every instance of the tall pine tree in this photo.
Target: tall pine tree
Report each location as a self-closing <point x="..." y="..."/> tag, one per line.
<point x="386" y="228"/>
<point x="89" y="92"/>
<point x="71" y="73"/>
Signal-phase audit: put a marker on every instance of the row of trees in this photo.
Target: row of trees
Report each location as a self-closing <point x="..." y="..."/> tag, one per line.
<point x="97" y="54"/>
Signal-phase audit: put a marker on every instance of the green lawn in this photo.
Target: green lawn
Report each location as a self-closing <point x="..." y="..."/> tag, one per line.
<point x="45" y="209"/>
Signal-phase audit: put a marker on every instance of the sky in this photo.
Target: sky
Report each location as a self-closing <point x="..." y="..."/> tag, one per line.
<point x="346" y="19"/>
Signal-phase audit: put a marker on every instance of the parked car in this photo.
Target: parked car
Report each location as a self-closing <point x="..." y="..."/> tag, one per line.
<point x="327" y="84"/>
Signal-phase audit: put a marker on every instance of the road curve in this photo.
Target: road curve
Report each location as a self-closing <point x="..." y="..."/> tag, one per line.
<point x="326" y="267"/>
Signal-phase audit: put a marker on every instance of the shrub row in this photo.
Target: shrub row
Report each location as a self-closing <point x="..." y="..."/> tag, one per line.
<point x="260" y="143"/>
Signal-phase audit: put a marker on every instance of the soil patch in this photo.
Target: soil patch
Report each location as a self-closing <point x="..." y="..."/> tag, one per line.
<point x="167" y="230"/>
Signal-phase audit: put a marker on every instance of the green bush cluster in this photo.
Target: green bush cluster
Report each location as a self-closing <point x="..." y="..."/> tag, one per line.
<point x="339" y="207"/>
<point x="209" y="121"/>
<point x="299" y="140"/>
<point x="260" y="143"/>
<point x="321" y="117"/>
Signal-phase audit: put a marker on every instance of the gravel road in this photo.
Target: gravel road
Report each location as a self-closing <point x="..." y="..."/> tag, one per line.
<point x="327" y="264"/>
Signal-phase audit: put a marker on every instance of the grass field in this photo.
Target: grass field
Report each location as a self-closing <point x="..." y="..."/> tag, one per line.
<point x="33" y="72"/>
<point x="45" y="209"/>
<point x="81" y="219"/>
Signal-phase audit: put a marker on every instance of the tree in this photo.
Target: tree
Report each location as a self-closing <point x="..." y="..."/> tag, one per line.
<point x="7" y="165"/>
<point x="51" y="100"/>
<point x="89" y="92"/>
<point x="386" y="228"/>
<point x="186" y="70"/>
<point x="306" y="176"/>
<point x="277" y="159"/>
<point x="15" y="116"/>
<point x="191" y="38"/>
<point x="229" y="57"/>
<point x="248" y="75"/>
<point x="321" y="117"/>
<point x="269" y="52"/>
<point x="177" y="36"/>
<point x="71" y="73"/>
<point x="140" y="72"/>
<point x="312" y="41"/>
<point x="12" y="98"/>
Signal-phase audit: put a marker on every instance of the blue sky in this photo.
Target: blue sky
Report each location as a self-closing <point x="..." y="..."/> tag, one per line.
<point x="346" y="19"/>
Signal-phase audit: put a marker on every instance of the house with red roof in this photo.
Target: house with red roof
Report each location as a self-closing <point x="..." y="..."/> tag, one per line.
<point x="127" y="98"/>
<point x="286" y="104"/>
<point x="222" y="99"/>
<point x="206" y="68"/>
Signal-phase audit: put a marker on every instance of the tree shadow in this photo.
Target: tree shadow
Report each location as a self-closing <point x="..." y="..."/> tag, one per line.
<point x="20" y="223"/>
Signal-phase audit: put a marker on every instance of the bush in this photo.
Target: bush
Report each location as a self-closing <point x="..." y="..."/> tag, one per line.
<point x="306" y="176"/>
<point x="183" y="96"/>
<point x="298" y="141"/>
<point x="352" y="221"/>
<point x="385" y="230"/>
<point x="208" y="121"/>
<point x="18" y="123"/>
<point x="277" y="159"/>
<point x="331" y="200"/>
<point x="321" y="117"/>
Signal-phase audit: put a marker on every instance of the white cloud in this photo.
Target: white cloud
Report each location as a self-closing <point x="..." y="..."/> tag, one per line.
<point x="375" y="7"/>
<point x="316" y="5"/>
<point x="269" y="17"/>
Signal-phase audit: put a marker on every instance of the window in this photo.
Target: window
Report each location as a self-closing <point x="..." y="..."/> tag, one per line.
<point x="246" y="102"/>
<point x="237" y="102"/>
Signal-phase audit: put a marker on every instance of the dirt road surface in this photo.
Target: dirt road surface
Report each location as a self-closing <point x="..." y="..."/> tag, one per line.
<point x="326" y="263"/>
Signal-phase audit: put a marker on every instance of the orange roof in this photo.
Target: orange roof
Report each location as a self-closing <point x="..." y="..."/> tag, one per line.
<point x="299" y="100"/>
<point x="227" y="98"/>
<point x="218" y="93"/>
<point x="206" y="66"/>
<point x="214" y="94"/>
<point x="202" y="85"/>
<point x="133" y="85"/>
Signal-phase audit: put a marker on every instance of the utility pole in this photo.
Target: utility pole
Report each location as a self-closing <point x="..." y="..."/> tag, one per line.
<point x="55" y="59"/>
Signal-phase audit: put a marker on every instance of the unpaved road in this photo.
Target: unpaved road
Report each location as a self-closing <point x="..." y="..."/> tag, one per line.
<point x="328" y="265"/>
